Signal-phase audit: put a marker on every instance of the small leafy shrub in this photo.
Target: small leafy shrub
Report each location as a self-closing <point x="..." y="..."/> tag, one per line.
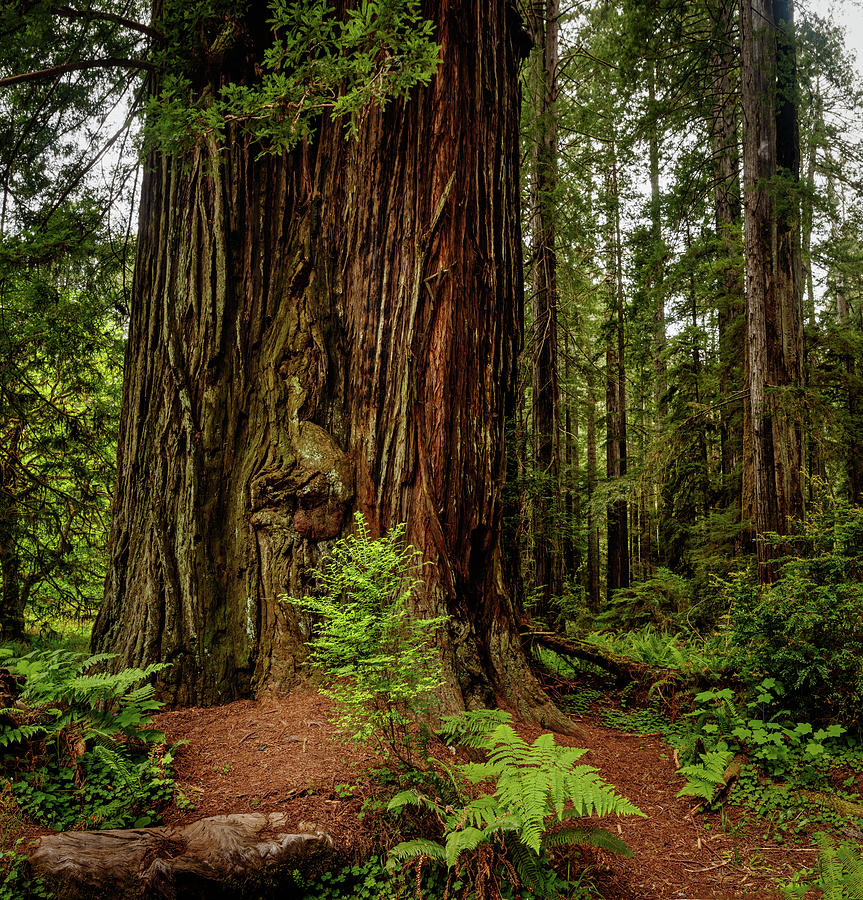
<point x="504" y="837"/>
<point x="80" y="751"/>
<point x="806" y="629"/>
<point x="366" y="636"/>
<point x="655" y="602"/>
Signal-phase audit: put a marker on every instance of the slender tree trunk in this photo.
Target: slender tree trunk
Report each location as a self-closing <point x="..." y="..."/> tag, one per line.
<point x="731" y="311"/>
<point x="572" y="501"/>
<point x="313" y="334"/>
<point x="592" y="570"/>
<point x="548" y="556"/>
<point x="774" y="301"/>
<point x="659" y="338"/>
<point x="617" y="575"/>
<point x="12" y="600"/>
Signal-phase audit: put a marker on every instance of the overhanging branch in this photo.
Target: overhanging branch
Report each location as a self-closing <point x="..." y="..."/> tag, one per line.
<point x="109" y="62"/>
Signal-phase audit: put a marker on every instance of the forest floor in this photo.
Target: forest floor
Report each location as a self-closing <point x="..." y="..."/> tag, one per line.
<point x="281" y="753"/>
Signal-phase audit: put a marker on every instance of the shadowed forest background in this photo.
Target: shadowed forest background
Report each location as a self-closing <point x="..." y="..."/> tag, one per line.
<point x="530" y="335"/>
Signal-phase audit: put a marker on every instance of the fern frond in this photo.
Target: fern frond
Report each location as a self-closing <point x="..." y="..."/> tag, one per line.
<point x="588" y="837"/>
<point x="419" y="847"/>
<point x="525" y="862"/>
<point x="472" y="728"/>
<point x="462" y="841"/>
<point x="852" y="864"/>
<point x="704" y="778"/>
<point x="830" y="867"/>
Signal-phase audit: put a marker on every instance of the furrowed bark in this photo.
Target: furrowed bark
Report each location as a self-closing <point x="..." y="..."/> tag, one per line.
<point x="312" y="334"/>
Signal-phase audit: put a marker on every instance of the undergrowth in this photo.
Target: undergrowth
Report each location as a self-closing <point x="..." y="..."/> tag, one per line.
<point x="78" y="749"/>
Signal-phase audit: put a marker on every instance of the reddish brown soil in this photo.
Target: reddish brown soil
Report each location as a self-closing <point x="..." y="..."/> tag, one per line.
<point x="279" y="754"/>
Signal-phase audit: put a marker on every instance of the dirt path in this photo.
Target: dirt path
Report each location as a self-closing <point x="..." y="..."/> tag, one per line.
<point x="277" y="754"/>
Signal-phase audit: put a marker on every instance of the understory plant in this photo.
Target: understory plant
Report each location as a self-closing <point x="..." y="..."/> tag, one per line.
<point x="806" y="628"/>
<point x="497" y="841"/>
<point x="839" y="875"/>
<point x="368" y="639"/>
<point x="78" y="748"/>
<point x="722" y="725"/>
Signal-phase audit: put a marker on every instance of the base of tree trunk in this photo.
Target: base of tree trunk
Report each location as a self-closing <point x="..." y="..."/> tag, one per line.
<point x="230" y="856"/>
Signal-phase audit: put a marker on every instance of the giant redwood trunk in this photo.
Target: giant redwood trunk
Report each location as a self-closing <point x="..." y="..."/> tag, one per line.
<point x="773" y="267"/>
<point x="317" y="333"/>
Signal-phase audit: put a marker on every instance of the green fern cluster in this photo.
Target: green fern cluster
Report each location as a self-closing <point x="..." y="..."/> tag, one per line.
<point x="839" y="875"/>
<point x="841" y="869"/>
<point x="65" y="687"/>
<point x="80" y="749"/>
<point x="535" y="786"/>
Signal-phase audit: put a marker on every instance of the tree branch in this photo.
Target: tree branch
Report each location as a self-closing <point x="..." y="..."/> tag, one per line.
<point x="109" y="62"/>
<point x="103" y="16"/>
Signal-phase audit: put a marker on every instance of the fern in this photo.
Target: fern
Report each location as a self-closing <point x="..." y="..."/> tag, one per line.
<point x="704" y="779"/>
<point x="472" y="729"/>
<point x="600" y="838"/>
<point x="840" y="869"/>
<point x="533" y="785"/>
<point x="83" y="735"/>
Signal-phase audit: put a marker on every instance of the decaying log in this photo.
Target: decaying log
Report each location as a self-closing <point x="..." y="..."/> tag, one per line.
<point x="218" y="857"/>
<point x="625" y="670"/>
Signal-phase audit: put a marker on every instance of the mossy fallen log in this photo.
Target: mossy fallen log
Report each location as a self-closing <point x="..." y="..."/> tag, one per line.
<point x="231" y="856"/>
<point x="623" y="669"/>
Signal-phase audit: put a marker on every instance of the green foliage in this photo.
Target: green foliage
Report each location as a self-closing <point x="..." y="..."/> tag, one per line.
<point x="61" y="342"/>
<point x="82" y="751"/>
<point x="637" y="721"/>
<point x="367" y="637"/>
<point x="533" y="787"/>
<point x="369" y="880"/>
<point x="655" y="648"/>
<point x="806" y="629"/>
<point x="318" y="62"/>
<point x="839" y="875"/>
<point x="16" y="883"/>
<point x="776" y="745"/>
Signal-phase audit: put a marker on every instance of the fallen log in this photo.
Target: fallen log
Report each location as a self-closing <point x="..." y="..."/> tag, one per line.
<point x="624" y="670"/>
<point x="231" y="856"/>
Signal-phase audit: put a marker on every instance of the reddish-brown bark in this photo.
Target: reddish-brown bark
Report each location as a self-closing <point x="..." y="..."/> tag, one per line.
<point x="311" y="334"/>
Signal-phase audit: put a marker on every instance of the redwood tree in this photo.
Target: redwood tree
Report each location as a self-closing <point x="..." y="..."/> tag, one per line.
<point x="315" y="332"/>
<point x="771" y="160"/>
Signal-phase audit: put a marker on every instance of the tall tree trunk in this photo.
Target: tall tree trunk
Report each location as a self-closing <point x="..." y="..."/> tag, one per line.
<point x="617" y="573"/>
<point x="658" y="297"/>
<point x="731" y="311"/>
<point x="772" y="238"/>
<point x="548" y="556"/>
<point x="571" y="498"/>
<point x="592" y="576"/>
<point x="312" y="334"/>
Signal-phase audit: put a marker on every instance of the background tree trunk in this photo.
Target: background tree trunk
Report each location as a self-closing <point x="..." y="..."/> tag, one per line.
<point x="332" y="330"/>
<point x="773" y="270"/>
<point x="545" y="396"/>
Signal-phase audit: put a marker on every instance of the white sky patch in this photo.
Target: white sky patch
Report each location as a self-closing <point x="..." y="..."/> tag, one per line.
<point x="849" y="15"/>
